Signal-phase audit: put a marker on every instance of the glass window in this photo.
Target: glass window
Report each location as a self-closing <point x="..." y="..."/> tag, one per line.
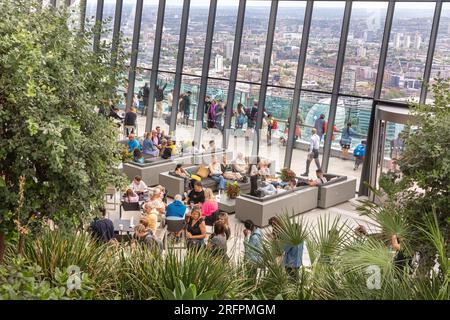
<point x="407" y="53"/>
<point x="286" y="44"/>
<point x="196" y="37"/>
<point x="363" y="47"/>
<point x="217" y="94"/>
<point x="109" y="9"/>
<point x="223" y="39"/>
<point x="91" y="12"/>
<point x="357" y="112"/>
<point x="277" y="111"/>
<point x="310" y="109"/>
<point x="254" y="38"/>
<point x="142" y="77"/>
<point x="127" y="25"/>
<point x="323" y="45"/>
<point x="170" y="35"/>
<point x="243" y="136"/>
<point x="187" y="110"/>
<point x="147" y="36"/>
<point x="441" y="58"/>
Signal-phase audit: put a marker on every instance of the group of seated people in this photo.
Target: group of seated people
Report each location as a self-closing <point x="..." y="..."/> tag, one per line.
<point x="198" y="209"/>
<point x="154" y="144"/>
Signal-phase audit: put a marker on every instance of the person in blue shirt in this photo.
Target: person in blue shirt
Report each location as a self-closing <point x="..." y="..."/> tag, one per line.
<point x="253" y="242"/>
<point x="359" y="153"/>
<point x="292" y="259"/>
<point x="346" y="140"/>
<point x="176" y="210"/>
<point x="133" y="143"/>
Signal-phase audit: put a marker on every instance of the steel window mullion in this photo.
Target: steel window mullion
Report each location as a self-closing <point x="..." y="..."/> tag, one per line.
<point x="205" y="71"/>
<point x="134" y="52"/>
<point x="180" y="63"/>
<point x="366" y="169"/>
<point x="53" y="3"/>
<point x="116" y="32"/>
<point x="155" y="64"/>
<point x="234" y="70"/>
<point x="298" y="83"/>
<point x="265" y="72"/>
<point x="430" y="53"/>
<point x="336" y="84"/>
<point x="98" y="24"/>
<point x="83" y="5"/>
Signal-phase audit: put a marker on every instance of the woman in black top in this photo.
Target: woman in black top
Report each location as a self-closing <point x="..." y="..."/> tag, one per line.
<point x="195" y="229"/>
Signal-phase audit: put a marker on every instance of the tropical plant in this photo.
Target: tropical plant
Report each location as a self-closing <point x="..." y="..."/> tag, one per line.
<point x="51" y="82"/>
<point x="190" y="293"/>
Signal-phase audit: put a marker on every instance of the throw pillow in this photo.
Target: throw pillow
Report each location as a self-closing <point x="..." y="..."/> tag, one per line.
<point x="203" y="172"/>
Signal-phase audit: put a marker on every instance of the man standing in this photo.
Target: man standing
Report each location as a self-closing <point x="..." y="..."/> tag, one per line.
<point x="313" y="152"/>
<point x="187" y="107"/>
<point x="159" y="97"/>
<point x="319" y="125"/>
<point x="145" y="96"/>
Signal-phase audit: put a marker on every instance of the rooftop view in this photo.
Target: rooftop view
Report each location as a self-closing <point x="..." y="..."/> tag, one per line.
<point x="224" y="150"/>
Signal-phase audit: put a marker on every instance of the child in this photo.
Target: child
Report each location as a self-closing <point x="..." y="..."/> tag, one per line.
<point x="359" y="153"/>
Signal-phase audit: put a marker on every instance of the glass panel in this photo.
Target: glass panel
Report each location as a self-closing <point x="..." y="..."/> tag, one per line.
<point x="243" y="140"/>
<point x="217" y="93"/>
<point x="441" y="59"/>
<point x="363" y="47"/>
<point x="196" y="37"/>
<point x="142" y="78"/>
<point x="127" y="25"/>
<point x="91" y="12"/>
<point x="109" y="9"/>
<point x="186" y="116"/>
<point x="278" y="109"/>
<point x="323" y="45"/>
<point x="223" y="39"/>
<point x="286" y="44"/>
<point x="407" y="51"/>
<point x="254" y="40"/>
<point x="171" y="35"/>
<point x="310" y="109"/>
<point x="147" y="36"/>
<point x="75" y="13"/>
<point x="342" y="160"/>
<point x="161" y="112"/>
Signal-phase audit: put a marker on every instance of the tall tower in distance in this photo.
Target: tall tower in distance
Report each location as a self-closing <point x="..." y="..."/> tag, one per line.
<point x="218" y="63"/>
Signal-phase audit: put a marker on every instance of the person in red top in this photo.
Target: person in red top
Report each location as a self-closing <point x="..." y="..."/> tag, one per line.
<point x="325" y="127"/>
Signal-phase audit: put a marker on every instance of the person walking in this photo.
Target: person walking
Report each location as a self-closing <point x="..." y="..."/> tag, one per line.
<point x="319" y="125"/>
<point x="145" y="96"/>
<point x="313" y="151"/>
<point x="346" y="140"/>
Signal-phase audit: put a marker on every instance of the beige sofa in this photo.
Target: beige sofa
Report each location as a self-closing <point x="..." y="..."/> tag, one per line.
<point x="337" y="190"/>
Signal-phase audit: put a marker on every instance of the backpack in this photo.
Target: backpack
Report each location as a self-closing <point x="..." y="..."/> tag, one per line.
<point x="274" y="124"/>
<point x="359" y="151"/>
<point x="241" y="119"/>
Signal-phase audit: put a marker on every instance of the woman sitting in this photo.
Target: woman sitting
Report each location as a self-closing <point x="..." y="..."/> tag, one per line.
<point x="172" y="144"/>
<point x="137" y="156"/>
<point x="223" y="217"/>
<point x="239" y="164"/>
<point x="156" y="202"/>
<point x="146" y="237"/>
<point x="216" y="173"/>
<point x="195" y="229"/>
<point x="165" y="151"/>
<point x="264" y="170"/>
<point x="182" y="173"/>
<point x="150" y="221"/>
<point x="130" y="196"/>
<point x="209" y="208"/>
<point x="148" y="147"/>
<point x="228" y="172"/>
<point x="218" y="240"/>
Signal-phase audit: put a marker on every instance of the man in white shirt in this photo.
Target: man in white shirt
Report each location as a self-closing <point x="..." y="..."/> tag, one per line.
<point x="193" y="149"/>
<point x="313" y="152"/>
<point x="138" y="185"/>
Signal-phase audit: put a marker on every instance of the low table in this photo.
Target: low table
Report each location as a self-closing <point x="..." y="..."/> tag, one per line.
<point x="226" y="204"/>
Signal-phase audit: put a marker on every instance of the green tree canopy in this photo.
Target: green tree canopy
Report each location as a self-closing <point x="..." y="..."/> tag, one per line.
<point x="50" y="134"/>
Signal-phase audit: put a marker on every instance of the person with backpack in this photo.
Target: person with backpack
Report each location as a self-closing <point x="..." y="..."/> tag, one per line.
<point x="145" y="90"/>
<point x="359" y="154"/>
<point x="187" y="107"/>
<point x="159" y="97"/>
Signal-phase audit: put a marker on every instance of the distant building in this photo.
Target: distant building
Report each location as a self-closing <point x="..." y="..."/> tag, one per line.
<point x="407" y="43"/>
<point x="417" y="42"/>
<point x="397" y="40"/>
<point x="361" y="52"/>
<point x="229" y="45"/>
<point x="262" y="51"/>
<point x="218" y="63"/>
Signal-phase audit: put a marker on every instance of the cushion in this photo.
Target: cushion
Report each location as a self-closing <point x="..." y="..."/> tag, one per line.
<point x="196" y="177"/>
<point x="203" y="172"/>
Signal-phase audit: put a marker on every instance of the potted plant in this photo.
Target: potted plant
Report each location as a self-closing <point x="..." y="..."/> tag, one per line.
<point x="287" y="174"/>
<point x="233" y="190"/>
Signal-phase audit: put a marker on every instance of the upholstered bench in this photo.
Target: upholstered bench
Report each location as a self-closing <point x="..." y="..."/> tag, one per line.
<point x="337" y="190"/>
